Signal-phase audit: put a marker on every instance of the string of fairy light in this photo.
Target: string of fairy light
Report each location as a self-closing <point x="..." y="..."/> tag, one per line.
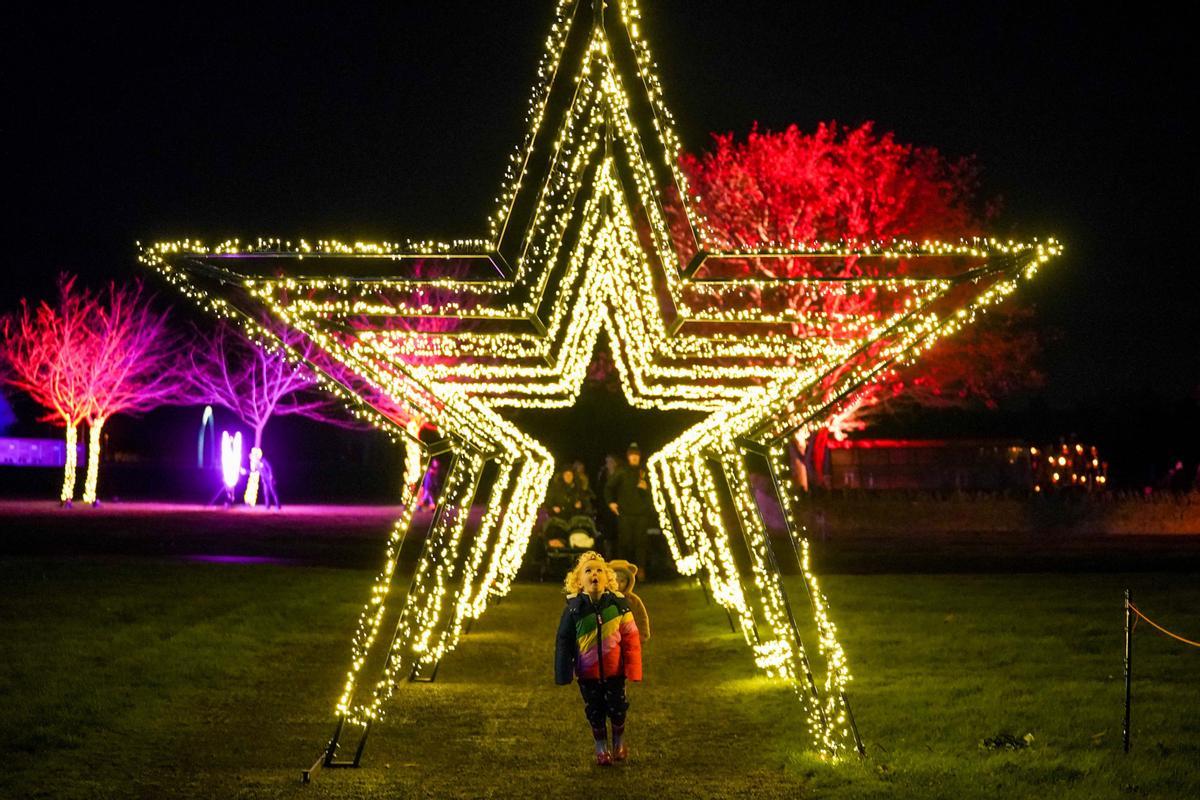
<point x="71" y="464"/>
<point x="595" y="255"/>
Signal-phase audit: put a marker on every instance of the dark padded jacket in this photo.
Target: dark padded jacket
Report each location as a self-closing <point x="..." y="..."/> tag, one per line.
<point x="597" y="641"/>
<point x="622" y="488"/>
<point x="565" y="496"/>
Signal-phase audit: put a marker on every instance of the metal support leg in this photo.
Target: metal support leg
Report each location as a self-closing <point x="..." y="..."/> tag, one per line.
<point x="327" y="758"/>
<point x="708" y="601"/>
<point x="703" y="588"/>
<point x="416" y="677"/>
<point x="733" y="628"/>
<point x="858" y="742"/>
<point x="754" y="448"/>
<point x="1128" y="666"/>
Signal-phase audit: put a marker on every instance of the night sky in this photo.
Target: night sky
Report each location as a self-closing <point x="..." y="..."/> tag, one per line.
<point x="210" y="121"/>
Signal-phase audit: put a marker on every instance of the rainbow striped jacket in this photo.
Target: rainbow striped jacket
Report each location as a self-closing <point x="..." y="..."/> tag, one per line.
<point x="597" y="640"/>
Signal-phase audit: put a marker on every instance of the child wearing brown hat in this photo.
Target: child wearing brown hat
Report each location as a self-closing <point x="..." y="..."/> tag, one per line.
<point x="627" y="573"/>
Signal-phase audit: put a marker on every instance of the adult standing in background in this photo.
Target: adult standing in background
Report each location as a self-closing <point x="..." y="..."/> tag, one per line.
<point x="627" y="493"/>
<point x="606" y="520"/>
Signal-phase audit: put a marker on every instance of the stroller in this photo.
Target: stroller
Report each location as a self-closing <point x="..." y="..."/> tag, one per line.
<point x="563" y="541"/>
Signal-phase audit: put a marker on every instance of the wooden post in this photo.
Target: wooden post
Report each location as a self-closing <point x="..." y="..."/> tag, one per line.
<point x="1128" y="664"/>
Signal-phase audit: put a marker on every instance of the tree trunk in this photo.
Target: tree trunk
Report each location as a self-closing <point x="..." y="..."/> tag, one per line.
<point x="797" y="463"/>
<point x="69" y="462"/>
<point x="412" y="458"/>
<point x="254" y="476"/>
<point x="93" y="466"/>
<point x="818" y="447"/>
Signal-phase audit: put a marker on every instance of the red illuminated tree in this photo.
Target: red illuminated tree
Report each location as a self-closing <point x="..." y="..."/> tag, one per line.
<point x="46" y="352"/>
<point x="135" y="362"/>
<point x="857" y="186"/>
<point x="87" y="358"/>
<point x="256" y="383"/>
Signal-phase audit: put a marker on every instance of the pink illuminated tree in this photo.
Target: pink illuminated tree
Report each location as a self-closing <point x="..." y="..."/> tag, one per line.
<point x="46" y="352"/>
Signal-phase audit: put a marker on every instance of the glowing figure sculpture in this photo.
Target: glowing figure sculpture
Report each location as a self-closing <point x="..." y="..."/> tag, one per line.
<point x="257" y="384"/>
<point x="579" y="244"/>
<point x="231" y="460"/>
<point x="252" y="478"/>
<point x="207" y="424"/>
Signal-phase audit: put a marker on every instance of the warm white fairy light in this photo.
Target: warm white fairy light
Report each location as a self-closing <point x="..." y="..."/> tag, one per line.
<point x="70" y="465"/>
<point x="592" y="254"/>
<point x="253" y="477"/>
<point x="92" y="476"/>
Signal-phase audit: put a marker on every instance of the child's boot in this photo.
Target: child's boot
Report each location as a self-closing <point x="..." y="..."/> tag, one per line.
<point x="600" y="735"/>
<point x="619" y="751"/>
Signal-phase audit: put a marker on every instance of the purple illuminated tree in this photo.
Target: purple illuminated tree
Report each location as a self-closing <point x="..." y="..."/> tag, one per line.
<point x="256" y="383"/>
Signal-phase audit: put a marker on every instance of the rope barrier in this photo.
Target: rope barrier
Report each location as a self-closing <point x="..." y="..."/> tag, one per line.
<point x="1137" y="611"/>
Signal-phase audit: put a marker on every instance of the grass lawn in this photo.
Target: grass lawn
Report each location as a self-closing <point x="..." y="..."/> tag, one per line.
<point x="135" y="678"/>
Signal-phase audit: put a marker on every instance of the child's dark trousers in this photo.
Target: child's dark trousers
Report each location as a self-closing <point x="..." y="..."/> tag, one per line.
<point x="604" y="698"/>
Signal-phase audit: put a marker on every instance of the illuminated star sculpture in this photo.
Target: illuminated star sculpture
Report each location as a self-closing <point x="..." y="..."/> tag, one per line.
<point x="456" y="333"/>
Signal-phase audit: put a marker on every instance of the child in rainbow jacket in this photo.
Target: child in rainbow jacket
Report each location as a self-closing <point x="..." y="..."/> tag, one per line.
<point x="598" y="642"/>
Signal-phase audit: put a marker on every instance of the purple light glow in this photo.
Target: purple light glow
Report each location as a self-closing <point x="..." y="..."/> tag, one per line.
<point x="236" y="559"/>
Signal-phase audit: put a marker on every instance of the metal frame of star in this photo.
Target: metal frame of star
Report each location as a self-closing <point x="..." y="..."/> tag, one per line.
<point x="581" y="244"/>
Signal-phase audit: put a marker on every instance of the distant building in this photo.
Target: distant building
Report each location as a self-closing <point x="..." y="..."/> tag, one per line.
<point x="1069" y="467"/>
<point x="929" y="464"/>
<point x="965" y="465"/>
<point x="36" y="453"/>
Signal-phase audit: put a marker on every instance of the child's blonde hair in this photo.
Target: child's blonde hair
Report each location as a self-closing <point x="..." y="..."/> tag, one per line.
<point x="572" y="585"/>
